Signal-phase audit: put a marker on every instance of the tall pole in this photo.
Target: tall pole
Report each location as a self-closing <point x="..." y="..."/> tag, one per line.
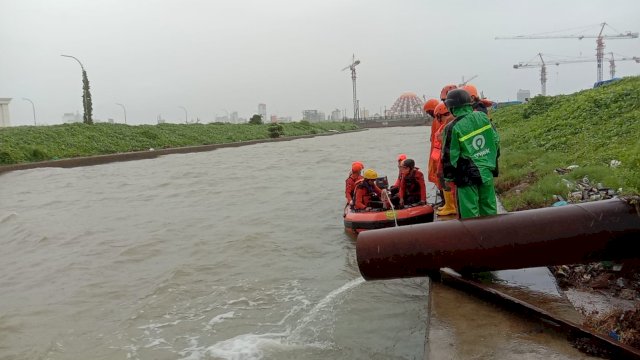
<point x="186" y="118"/>
<point x="86" y="94"/>
<point x="355" y="101"/>
<point x="33" y="107"/>
<point x="125" y="112"/>
<point x="352" y="67"/>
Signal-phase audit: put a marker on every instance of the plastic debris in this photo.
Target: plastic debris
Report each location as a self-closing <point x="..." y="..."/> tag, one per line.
<point x="615" y="163"/>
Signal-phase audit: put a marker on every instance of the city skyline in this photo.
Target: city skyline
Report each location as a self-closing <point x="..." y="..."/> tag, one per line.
<point x="207" y="56"/>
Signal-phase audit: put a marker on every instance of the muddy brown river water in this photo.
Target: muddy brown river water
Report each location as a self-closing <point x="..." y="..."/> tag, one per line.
<point x="237" y="253"/>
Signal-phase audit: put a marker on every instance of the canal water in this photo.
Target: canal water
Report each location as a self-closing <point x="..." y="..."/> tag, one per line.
<point x="237" y="253"/>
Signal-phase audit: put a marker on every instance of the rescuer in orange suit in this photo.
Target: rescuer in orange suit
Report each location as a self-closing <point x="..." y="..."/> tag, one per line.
<point x="448" y="188"/>
<point x="396" y="185"/>
<point x="395" y="188"/>
<point x="478" y="104"/>
<point x="350" y="183"/>
<point x="428" y="108"/>
<point x="435" y="125"/>
<point x="368" y="194"/>
<point x="412" y="187"/>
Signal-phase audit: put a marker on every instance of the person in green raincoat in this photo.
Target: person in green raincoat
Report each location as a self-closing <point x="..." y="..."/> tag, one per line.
<point x="471" y="146"/>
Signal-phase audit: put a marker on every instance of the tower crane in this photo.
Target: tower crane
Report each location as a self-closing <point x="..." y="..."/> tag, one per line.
<point x="464" y="82"/>
<point x="612" y="63"/>
<point x="543" y="66"/>
<point x="599" y="42"/>
<point x="353" y="65"/>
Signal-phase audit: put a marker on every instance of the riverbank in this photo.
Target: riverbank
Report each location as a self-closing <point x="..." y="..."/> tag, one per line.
<point x="593" y="132"/>
<point x="575" y="148"/>
<point x="73" y="145"/>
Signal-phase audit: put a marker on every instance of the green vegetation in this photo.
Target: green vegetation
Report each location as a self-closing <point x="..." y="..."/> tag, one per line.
<point x="256" y="120"/>
<point x="275" y="130"/>
<point x="589" y="128"/>
<point x="39" y="143"/>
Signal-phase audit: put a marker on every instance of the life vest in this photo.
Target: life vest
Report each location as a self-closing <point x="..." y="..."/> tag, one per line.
<point x="411" y="185"/>
<point x="370" y="192"/>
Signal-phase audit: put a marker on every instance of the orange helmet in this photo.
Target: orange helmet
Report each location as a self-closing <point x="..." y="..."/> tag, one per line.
<point x="445" y="91"/>
<point x="441" y="110"/>
<point x="430" y="105"/>
<point x="357" y="166"/>
<point x="471" y="90"/>
<point x="401" y="157"/>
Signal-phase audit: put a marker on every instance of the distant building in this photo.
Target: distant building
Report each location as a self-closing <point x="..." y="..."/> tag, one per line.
<point x="310" y="115"/>
<point x="69" y="118"/>
<point x="4" y="112"/>
<point x="262" y="111"/>
<point x="336" y="115"/>
<point x="313" y="115"/>
<point x="234" y="117"/>
<point x="523" y="95"/>
<point x="274" y="118"/>
<point x="408" y="104"/>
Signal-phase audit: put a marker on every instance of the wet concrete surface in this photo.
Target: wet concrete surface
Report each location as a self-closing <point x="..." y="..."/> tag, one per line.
<point x="462" y="326"/>
<point x="465" y="327"/>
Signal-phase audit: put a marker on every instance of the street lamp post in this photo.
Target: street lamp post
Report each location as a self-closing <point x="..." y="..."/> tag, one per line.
<point x="125" y="112"/>
<point x="86" y="94"/>
<point x="33" y="107"/>
<point x="186" y="121"/>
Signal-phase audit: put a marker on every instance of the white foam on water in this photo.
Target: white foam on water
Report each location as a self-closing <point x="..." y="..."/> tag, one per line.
<point x="257" y="346"/>
<point x="325" y="304"/>
<point x="219" y="319"/>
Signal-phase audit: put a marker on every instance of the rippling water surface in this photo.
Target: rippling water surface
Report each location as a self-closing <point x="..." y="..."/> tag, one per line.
<point x="236" y="253"/>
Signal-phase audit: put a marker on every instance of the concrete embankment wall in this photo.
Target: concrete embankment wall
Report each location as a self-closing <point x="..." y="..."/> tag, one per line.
<point x="148" y="154"/>
<point x="378" y="123"/>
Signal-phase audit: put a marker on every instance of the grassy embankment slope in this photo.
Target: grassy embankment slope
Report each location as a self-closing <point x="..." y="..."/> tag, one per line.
<point x="589" y="128"/>
<point x="39" y="143"/>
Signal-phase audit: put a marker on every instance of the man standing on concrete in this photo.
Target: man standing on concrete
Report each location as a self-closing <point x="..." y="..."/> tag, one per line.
<point x="469" y="159"/>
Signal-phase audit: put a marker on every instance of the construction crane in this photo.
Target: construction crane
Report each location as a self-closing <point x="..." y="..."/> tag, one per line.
<point x="543" y="66"/>
<point x="599" y="42"/>
<point x="353" y="65"/>
<point x="464" y="82"/>
<point x="612" y="63"/>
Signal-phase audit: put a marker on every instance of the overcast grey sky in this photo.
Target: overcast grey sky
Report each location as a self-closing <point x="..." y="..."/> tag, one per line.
<point x="214" y="56"/>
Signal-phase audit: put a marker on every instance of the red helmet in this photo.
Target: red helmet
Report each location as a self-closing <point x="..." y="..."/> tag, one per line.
<point x="357" y="166"/>
<point x="430" y="105"/>
<point x="401" y="157"/>
<point x="441" y="110"/>
<point x="471" y="90"/>
<point x="445" y="91"/>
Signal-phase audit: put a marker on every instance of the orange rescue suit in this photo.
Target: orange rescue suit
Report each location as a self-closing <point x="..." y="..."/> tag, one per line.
<point x="433" y="159"/>
<point x="364" y="193"/>
<point x="412" y="187"/>
<point x="350" y="186"/>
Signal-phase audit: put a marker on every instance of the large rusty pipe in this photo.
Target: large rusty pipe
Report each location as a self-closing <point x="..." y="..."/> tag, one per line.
<point x="594" y="231"/>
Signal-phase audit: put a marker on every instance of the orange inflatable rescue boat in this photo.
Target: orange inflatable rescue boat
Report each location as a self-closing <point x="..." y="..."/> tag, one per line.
<point x="356" y="221"/>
